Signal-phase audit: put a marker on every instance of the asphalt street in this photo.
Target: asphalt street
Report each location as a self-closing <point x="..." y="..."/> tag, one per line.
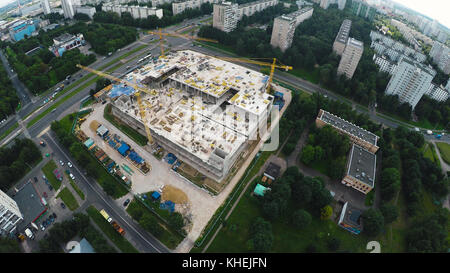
<point x="141" y="239"/>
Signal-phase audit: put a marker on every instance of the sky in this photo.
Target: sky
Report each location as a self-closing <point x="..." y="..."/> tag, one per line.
<point x="435" y="9"/>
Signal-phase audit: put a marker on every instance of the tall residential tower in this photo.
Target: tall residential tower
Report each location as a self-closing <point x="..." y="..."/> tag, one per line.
<point x="350" y="57"/>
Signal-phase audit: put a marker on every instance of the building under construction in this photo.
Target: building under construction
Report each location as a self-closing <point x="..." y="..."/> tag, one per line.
<point x="202" y="109"/>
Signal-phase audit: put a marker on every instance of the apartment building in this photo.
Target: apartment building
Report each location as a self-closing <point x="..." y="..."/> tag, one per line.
<point x="341" y="4"/>
<point x="10" y="214"/>
<point x="384" y="64"/>
<point x="360" y="8"/>
<point x="45" y="6"/>
<point x="410" y="81"/>
<point x="180" y="6"/>
<point x="384" y="45"/>
<point x="135" y="11"/>
<point x="67" y="7"/>
<point x="342" y="37"/>
<point x="439" y="93"/>
<point x="440" y="54"/>
<point x="284" y="27"/>
<point x="325" y="3"/>
<point x="89" y="11"/>
<point x="226" y="14"/>
<point x="350" y="58"/>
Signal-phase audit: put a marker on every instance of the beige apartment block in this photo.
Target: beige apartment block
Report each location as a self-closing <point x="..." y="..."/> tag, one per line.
<point x="350" y="58"/>
<point x="284" y="27"/>
<point x="342" y="37"/>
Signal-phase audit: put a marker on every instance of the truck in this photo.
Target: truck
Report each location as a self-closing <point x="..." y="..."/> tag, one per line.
<point x="105" y="215"/>
<point x="118" y="228"/>
<point x="29" y="234"/>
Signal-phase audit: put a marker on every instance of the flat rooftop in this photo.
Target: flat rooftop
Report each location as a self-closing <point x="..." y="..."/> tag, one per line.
<point x="362" y="165"/>
<point x="207" y="106"/>
<point x="273" y="170"/>
<point x="355" y="43"/>
<point x="349" y="127"/>
<point x="65" y="37"/>
<point x="30" y="204"/>
<point x="211" y="76"/>
<point x="344" y="31"/>
<point x="293" y="15"/>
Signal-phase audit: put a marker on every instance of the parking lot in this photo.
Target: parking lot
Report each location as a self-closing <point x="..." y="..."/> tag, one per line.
<point x="47" y="197"/>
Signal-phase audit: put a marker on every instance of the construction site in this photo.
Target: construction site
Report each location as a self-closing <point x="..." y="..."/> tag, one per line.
<point x="203" y="115"/>
<point x="203" y="109"/>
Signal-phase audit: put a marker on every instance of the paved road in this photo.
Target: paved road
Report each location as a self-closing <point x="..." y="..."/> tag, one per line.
<point x="314" y="88"/>
<point x="38" y="101"/>
<point x="142" y="240"/>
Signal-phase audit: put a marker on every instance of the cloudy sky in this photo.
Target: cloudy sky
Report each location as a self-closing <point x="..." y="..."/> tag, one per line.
<point x="436" y="9"/>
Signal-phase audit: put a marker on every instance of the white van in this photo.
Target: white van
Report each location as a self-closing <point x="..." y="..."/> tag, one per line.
<point x="29" y="234"/>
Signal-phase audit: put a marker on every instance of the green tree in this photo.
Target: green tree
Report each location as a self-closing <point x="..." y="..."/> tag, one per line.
<point x="301" y="218"/>
<point x="390" y="213"/>
<point x="308" y="154"/>
<point x="373" y="222"/>
<point x="326" y="212"/>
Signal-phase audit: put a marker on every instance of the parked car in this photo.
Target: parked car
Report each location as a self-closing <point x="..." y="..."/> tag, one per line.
<point x="50" y="187"/>
<point x="43" y="177"/>
<point x="61" y="162"/>
<point x="72" y="176"/>
<point x="42" y="227"/>
<point x="63" y="206"/>
<point x="126" y="202"/>
<point x="35" y="179"/>
<point x="54" y="215"/>
<point x="45" y="194"/>
<point x="69" y="164"/>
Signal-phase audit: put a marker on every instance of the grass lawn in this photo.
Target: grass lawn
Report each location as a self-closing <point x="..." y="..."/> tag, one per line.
<point x="48" y="171"/>
<point x="77" y="189"/>
<point x="310" y="75"/>
<point x="444" y="150"/>
<point x="130" y="132"/>
<point x="110" y="232"/>
<point x="233" y="237"/>
<point x="430" y="153"/>
<point x="214" y="222"/>
<point x="168" y="237"/>
<point x="7" y="132"/>
<point x="68" y="199"/>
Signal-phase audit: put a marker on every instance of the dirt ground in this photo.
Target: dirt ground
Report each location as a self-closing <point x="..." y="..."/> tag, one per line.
<point x="200" y="205"/>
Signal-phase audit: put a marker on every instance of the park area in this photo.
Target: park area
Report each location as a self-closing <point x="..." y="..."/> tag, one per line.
<point x="444" y="150"/>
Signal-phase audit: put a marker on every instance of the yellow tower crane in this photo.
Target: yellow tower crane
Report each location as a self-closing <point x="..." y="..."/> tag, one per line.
<point x="137" y="94"/>
<point x="272" y="65"/>
<point x="161" y="34"/>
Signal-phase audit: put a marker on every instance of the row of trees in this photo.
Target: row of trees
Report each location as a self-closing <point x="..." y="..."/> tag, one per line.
<point x="14" y="160"/>
<point x="9" y="100"/>
<point x="311" y="52"/>
<point x="63" y="232"/>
